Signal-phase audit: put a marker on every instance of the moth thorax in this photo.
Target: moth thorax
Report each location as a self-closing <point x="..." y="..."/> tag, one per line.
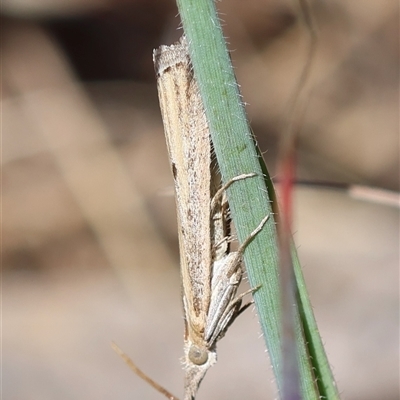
<point x="197" y="355"/>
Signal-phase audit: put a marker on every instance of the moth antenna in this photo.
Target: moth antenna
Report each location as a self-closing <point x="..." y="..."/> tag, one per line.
<point x="141" y="374"/>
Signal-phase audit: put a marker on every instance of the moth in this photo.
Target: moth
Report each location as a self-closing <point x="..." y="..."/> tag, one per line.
<point x="210" y="272"/>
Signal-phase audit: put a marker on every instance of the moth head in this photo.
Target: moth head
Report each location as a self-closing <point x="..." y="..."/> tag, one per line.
<point x="198" y="359"/>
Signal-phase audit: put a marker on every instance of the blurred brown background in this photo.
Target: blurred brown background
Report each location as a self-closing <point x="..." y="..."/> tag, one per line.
<point x="89" y="244"/>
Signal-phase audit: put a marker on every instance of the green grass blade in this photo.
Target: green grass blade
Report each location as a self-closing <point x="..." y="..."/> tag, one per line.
<point x="250" y="199"/>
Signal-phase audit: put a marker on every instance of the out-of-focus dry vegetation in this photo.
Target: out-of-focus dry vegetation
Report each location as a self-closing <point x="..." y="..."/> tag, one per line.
<point x="89" y="245"/>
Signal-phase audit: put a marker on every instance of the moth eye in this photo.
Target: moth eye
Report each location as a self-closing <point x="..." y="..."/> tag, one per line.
<point x="198" y="356"/>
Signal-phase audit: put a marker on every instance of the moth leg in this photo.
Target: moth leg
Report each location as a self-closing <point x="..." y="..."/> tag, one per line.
<point x="252" y="235"/>
<point x="236" y="304"/>
<point x="220" y="219"/>
<point x="234" y="309"/>
<point x="220" y="192"/>
<point x="227" y="274"/>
